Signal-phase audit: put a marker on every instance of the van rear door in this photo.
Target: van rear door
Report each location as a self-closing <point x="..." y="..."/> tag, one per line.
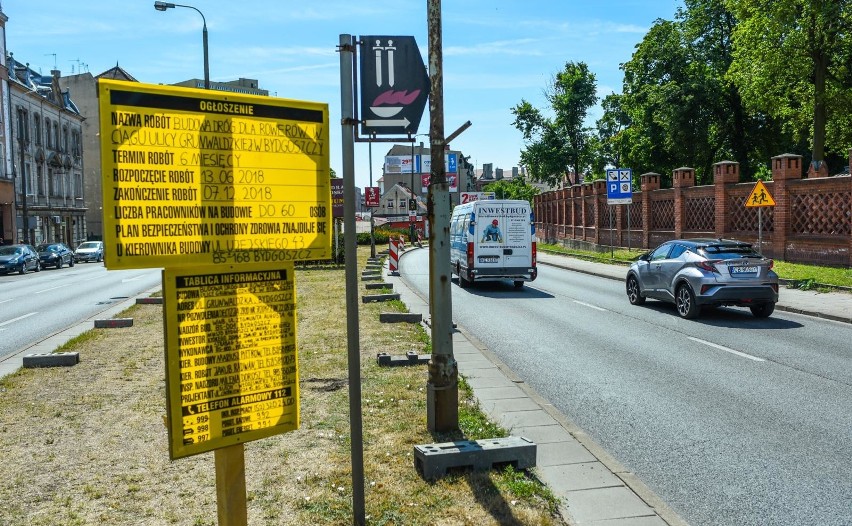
<point x="504" y="235"/>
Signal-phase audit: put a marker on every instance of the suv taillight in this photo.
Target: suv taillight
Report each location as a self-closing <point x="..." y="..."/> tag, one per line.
<point x="708" y="265"/>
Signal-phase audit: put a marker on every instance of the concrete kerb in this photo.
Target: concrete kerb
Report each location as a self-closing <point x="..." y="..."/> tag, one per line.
<point x="629" y="499"/>
<point x="10" y="363"/>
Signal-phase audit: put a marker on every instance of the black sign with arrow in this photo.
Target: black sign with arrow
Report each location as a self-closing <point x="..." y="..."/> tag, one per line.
<point x="394" y="85"/>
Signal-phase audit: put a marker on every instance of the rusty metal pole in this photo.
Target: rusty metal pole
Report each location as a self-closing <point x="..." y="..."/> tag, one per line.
<point x="442" y="402"/>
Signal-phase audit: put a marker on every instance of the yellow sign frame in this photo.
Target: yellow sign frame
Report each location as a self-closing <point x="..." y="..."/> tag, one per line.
<point x="759" y="197"/>
<point x="232" y="369"/>
<point x="197" y="177"/>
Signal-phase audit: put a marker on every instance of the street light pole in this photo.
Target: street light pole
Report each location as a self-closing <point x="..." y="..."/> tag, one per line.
<point x="162" y="6"/>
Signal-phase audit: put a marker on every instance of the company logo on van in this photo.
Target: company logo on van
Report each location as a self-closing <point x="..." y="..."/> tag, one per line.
<point x="503" y="211"/>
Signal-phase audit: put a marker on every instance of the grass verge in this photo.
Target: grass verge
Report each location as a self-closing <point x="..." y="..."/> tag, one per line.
<point x="86" y="445"/>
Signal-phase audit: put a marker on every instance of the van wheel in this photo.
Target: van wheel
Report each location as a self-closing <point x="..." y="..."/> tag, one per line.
<point x="519" y="284"/>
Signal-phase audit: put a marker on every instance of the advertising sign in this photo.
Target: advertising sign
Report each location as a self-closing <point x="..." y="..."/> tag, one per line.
<point x="198" y="177"/>
<point x="232" y="372"/>
<point x="372" y="198"/>
<point x="337" y="198"/>
<point x="468" y="197"/>
<point x="426" y="180"/>
<point x="394" y="85"/>
<point x="401" y="164"/>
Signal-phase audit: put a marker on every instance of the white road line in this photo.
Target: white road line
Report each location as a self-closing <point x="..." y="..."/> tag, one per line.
<point x="13" y="320"/>
<point x="589" y="306"/>
<point x="727" y="349"/>
<point x="7" y="301"/>
<point x="48" y="290"/>
<point x="132" y="279"/>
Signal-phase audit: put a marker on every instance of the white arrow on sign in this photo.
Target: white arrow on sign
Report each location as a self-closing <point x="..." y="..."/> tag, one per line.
<point x="402" y="123"/>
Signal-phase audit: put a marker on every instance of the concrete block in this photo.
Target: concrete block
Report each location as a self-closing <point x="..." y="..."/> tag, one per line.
<point x="114" y="323"/>
<point x="434" y="460"/>
<point x="379" y="297"/>
<point x="400" y="317"/>
<point x="371" y="275"/>
<point x="370" y="286"/>
<point x="149" y="301"/>
<point x="58" y="359"/>
<point x="377" y="277"/>
<point x="410" y="358"/>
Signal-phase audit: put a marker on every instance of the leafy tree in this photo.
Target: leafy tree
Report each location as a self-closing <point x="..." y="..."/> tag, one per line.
<point x="792" y="61"/>
<point x="516" y="188"/>
<point x="552" y="144"/>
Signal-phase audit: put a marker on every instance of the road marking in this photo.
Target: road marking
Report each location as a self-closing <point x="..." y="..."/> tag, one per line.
<point x="7" y="301"/>
<point x="13" y="320"/>
<point x="51" y="288"/>
<point x="132" y="279"/>
<point x="589" y="305"/>
<point x="727" y="349"/>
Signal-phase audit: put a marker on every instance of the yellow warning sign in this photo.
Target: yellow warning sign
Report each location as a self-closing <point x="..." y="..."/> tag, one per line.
<point x="760" y="196"/>
<point x="197" y="177"/>
<point x="232" y="372"/>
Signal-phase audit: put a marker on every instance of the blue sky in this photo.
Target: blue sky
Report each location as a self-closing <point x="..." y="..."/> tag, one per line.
<point x="496" y="53"/>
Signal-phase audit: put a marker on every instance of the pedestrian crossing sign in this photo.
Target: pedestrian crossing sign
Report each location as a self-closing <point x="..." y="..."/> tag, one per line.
<point x="759" y="196"/>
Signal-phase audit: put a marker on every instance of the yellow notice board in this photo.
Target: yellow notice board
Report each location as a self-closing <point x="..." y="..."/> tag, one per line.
<point x="232" y="372"/>
<point x="199" y="177"/>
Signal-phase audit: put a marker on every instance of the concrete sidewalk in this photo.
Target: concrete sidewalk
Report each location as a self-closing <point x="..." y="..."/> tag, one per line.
<point x="595" y="489"/>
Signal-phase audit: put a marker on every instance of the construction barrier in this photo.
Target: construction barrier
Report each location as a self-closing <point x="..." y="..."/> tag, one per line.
<point x="393" y="256"/>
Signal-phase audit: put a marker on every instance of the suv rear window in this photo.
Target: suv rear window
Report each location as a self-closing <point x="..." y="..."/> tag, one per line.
<point x="729" y="252"/>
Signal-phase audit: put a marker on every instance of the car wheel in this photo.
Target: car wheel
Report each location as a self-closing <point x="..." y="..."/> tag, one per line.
<point x="71" y="262"/>
<point x="38" y="266"/>
<point x="463" y="283"/>
<point x="763" y="310"/>
<point x="59" y="263"/>
<point x="23" y="267"/>
<point x="634" y="296"/>
<point x="685" y="302"/>
<point x="519" y="284"/>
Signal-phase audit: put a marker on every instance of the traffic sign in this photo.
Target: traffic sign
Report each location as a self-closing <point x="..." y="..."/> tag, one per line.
<point x="619" y="186"/>
<point x="394" y="85"/>
<point x="759" y="196"/>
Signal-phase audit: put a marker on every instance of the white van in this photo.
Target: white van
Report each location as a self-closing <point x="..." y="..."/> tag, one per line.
<point x="493" y="240"/>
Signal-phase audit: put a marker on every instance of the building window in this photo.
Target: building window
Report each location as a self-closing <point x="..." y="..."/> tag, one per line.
<point x="65" y="139"/>
<point x="402" y="203"/>
<point x="39" y="180"/>
<point x="390" y="203"/>
<point x="23" y="126"/>
<point x="37" y="129"/>
<point x="49" y="132"/>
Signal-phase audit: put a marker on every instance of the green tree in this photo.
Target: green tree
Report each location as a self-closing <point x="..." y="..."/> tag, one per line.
<point x="516" y="188"/>
<point x="792" y="61"/>
<point x="554" y="143"/>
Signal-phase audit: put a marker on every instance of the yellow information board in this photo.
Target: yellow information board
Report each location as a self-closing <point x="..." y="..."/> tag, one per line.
<point x="199" y="177"/>
<point x="232" y="372"/>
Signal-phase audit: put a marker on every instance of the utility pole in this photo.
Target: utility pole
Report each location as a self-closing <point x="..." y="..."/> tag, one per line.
<point x="442" y="408"/>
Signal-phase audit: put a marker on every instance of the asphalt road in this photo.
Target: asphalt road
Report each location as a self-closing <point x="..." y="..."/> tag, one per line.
<point x="38" y="304"/>
<point x="730" y="419"/>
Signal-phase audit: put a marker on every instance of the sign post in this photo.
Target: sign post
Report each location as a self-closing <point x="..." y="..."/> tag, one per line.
<point x="758" y="198"/>
<point x="619" y="191"/>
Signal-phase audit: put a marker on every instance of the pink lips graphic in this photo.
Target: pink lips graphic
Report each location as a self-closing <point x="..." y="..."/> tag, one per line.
<point x="396" y="97"/>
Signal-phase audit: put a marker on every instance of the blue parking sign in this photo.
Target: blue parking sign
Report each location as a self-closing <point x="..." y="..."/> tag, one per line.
<point x="619" y="186"/>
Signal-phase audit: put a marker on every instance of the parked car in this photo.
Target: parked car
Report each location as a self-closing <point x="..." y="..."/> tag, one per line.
<point x="694" y="273"/>
<point x="55" y="255"/>
<point x="90" y="251"/>
<point x="18" y="258"/>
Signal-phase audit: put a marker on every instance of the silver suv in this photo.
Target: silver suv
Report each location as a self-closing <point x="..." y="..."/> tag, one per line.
<point x="692" y="273"/>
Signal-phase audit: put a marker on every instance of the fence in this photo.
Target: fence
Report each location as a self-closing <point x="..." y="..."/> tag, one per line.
<point x="811" y="221"/>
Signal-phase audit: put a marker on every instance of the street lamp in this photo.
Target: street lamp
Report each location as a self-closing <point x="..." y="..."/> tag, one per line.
<point x="162" y="6"/>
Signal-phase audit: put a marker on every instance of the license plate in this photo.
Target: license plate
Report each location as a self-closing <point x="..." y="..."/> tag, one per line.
<point x="743" y="270"/>
<point x="489" y="259"/>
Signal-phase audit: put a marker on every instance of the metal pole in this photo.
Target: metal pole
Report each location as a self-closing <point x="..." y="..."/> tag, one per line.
<point x="628" y="225"/>
<point x="372" y="224"/>
<point x="611" y="245"/>
<point x="206" y="61"/>
<point x="760" y="229"/>
<point x="442" y="409"/>
<point x="410" y="219"/>
<point x="347" y="104"/>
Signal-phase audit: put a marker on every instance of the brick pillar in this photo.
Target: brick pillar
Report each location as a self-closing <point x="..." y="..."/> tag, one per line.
<point x="564" y="194"/>
<point x="784" y="168"/>
<point x="576" y="204"/>
<point x="813" y="173"/>
<point x="724" y="173"/>
<point x="649" y="182"/>
<point x="599" y="191"/>
<point x="681" y="178"/>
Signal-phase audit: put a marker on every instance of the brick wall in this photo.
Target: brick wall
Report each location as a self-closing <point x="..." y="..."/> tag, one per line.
<point x="811" y="221"/>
